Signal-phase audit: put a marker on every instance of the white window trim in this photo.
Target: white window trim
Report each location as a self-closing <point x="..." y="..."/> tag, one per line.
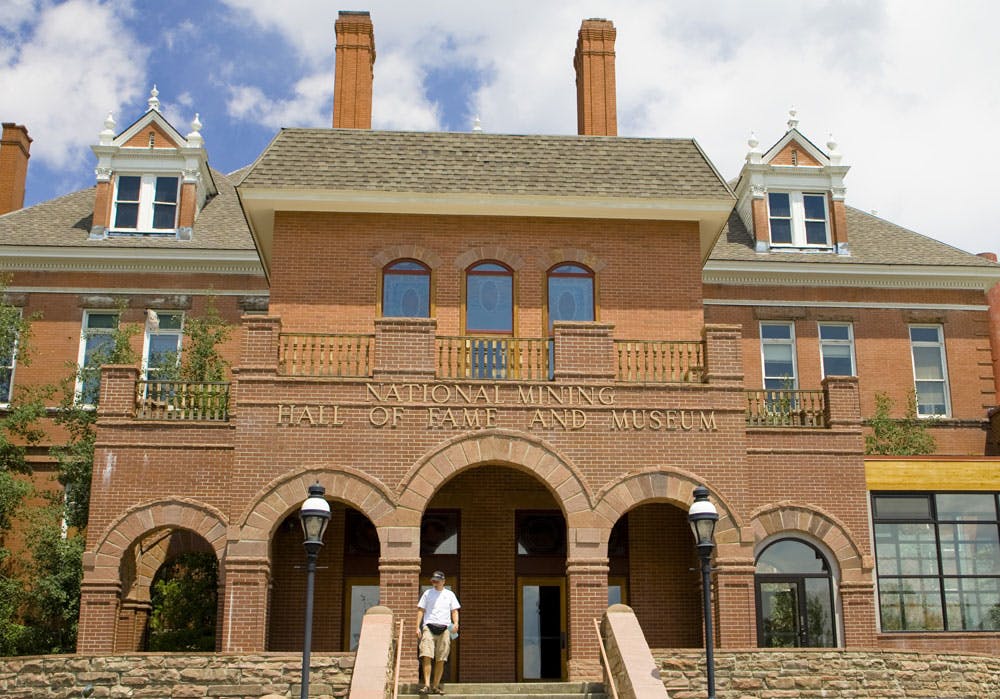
<point x="152" y="328"/>
<point x="5" y="400"/>
<point x="797" y="209"/>
<point x="147" y="199"/>
<point x="770" y="341"/>
<point x="81" y="356"/>
<point x="849" y="342"/>
<point x="944" y="367"/>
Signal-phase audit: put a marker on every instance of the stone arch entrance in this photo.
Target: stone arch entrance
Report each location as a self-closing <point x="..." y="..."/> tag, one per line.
<point x="115" y="596"/>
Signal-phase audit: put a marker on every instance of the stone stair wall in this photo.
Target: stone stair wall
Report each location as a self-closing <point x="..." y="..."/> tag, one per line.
<point x="831" y="674"/>
<point x="172" y="675"/>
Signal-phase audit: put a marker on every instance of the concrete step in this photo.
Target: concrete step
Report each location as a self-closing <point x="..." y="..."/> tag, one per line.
<point x="521" y="690"/>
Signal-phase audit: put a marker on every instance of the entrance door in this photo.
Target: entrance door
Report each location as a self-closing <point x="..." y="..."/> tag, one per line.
<point x="541" y="628"/>
<point x="794" y="613"/>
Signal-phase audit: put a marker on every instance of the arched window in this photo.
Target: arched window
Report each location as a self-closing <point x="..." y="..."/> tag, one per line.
<point x="571" y="293"/>
<point x="406" y="290"/>
<point x="794" y="597"/>
<point x="489" y="298"/>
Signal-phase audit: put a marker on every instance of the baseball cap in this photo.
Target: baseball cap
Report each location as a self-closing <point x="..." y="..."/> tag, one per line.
<point x="437" y="575"/>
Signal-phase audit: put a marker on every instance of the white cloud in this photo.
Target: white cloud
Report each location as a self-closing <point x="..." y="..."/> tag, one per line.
<point x="308" y="107"/>
<point x="61" y="71"/>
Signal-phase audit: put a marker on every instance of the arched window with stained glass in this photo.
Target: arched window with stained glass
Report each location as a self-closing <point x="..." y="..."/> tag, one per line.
<point x="406" y="290"/>
<point x="570" y="293"/>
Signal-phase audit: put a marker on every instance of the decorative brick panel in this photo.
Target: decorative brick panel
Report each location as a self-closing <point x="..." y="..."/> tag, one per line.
<point x="843" y="401"/>
<point x="583" y="351"/>
<point x="117" y="391"/>
<point x="404" y="348"/>
<point x="723" y="360"/>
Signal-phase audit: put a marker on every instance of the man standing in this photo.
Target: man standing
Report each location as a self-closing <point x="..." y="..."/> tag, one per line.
<point x="436" y="609"/>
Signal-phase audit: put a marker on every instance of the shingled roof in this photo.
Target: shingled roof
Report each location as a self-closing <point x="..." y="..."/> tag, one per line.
<point x="479" y="163"/>
<point x="66" y="222"/>
<point x="872" y="240"/>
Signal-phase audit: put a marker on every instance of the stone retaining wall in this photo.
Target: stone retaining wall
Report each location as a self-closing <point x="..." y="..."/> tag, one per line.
<point x="172" y="676"/>
<point x="831" y="674"/>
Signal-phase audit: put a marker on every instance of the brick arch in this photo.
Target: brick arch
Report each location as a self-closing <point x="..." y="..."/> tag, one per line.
<point x="789" y="517"/>
<point x="152" y="552"/>
<point x="578" y="255"/>
<point x="670" y="485"/>
<point x="490" y="252"/>
<point x="286" y="493"/>
<point x="141" y="520"/>
<point x="413" y="252"/>
<point x="503" y="447"/>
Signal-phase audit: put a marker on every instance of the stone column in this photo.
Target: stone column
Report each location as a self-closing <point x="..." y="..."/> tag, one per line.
<point x="587" y="583"/>
<point x="243" y="623"/>
<point x="98" y="616"/>
<point x="404" y="348"/>
<point x="583" y="351"/>
<point x="723" y="358"/>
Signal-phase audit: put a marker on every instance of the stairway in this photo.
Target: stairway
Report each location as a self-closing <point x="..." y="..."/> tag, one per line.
<point x="522" y="690"/>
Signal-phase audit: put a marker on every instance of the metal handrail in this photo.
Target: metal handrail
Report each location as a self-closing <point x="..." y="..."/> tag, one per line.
<point x="399" y="660"/>
<point x="604" y="660"/>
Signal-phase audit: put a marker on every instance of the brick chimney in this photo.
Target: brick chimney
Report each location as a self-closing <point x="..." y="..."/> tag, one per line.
<point x="352" y="88"/>
<point x="594" y="61"/>
<point x="15" y="145"/>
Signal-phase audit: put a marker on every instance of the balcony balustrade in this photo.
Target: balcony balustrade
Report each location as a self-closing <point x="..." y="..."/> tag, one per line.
<point x="182" y="400"/>
<point x="314" y="354"/>
<point x="660" y="361"/>
<point x="786" y="408"/>
<point x="493" y="358"/>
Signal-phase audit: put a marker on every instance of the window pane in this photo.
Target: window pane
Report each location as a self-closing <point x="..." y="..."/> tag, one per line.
<point x="102" y="320"/>
<point x="489" y="267"/>
<point x="407" y="266"/>
<point x="970" y="549"/>
<point x="128" y="188"/>
<point x="902" y="508"/>
<point x="164" y="216"/>
<point x="930" y="398"/>
<point x="170" y="321"/>
<point x="776" y="331"/>
<point x="439" y="533"/>
<point x="816" y="233"/>
<point x="927" y="363"/>
<point x="905" y="549"/>
<point x="925" y="334"/>
<point x="834" y="332"/>
<point x="781" y="231"/>
<point x="778" y="361"/>
<point x="406" y="295"/>
<point x="819" y="613"/>
<point x="912" y="604"/>
<point x="778" y="205"/>
<point x="571" y="298"/>
<point x="966" y="506"/>
<point x="837" y="360"/>
<point x="570" y="269"/>
<point x="973" y="604"/>
<point x="6" y="376"/>
<point x="489" y="303"/>
<point x="541" y="534"/>
<point x="126" y="215"/>
<point x="814" y="205"/>
<point x="166" y="190"/>
<point x="790" y="556"/>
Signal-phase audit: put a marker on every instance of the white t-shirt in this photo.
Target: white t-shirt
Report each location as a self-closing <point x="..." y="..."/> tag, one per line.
<point x="437" y="606"/>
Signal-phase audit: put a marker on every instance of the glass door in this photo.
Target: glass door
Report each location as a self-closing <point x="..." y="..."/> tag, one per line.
<point x="781" y="623"/>
<point x="360" y="595"/>
<point x="541" y="628"/>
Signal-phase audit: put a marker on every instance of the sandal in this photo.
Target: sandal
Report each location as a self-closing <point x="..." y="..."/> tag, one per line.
<point x="437" y="690"/>
<point x="424" y="690"/>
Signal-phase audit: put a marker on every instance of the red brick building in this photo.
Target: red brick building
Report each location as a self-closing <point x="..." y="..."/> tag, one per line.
<point x="513" y="358"/>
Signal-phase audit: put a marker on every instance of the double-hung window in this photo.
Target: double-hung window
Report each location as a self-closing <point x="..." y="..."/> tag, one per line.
<point x="164" y="332"/>
<point x="930" y="370"/>
<point x="798" y="219"/>
<point x="836" y="349"/>
<point x="8" y="355"/>
<point x="96" y="344"/>
<point x="777" y="346"/>
<point x="938" y="560"/>
<point x="145" y="203"/>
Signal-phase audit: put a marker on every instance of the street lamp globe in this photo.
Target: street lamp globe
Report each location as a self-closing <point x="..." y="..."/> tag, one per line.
<point x="703" y="516"/>
<point x="315" y="515"/>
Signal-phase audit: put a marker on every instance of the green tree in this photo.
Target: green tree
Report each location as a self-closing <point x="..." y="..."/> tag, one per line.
<point x="184" y="598"/>
<point x="200" y="359"/>
<point x="906" y="436"/>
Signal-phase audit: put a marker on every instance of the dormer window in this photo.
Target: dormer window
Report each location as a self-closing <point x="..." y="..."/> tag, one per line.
<point x="798" y="219"/>
<point x="146" y="203"/>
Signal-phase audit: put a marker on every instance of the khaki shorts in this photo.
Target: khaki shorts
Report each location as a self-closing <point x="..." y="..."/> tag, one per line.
<point x="436" y="647"/>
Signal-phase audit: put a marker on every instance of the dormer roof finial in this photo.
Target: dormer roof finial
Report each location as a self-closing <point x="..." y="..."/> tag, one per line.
<point x="835" y="155"/>
<point x="477" y="126"/>
<point x="153" y="102"/>
<point x="754" y="154"/>
<point x="195" y="139"/>
<point x="793" y="119"/>
<point x="108" y="134"/>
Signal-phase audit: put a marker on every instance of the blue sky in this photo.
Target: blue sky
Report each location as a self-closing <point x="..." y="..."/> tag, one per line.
<point x="906" y="87"/>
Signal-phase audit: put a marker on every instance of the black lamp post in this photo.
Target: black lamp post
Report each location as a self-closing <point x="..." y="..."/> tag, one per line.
<point x="702" y="516"/>
<point x="315" y="515"/>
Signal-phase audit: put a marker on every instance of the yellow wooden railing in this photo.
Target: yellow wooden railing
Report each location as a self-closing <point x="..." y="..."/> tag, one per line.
<point x="660" y="361"/>
<point x="492" y="358"/>
<point x="182" y="400"/>
<point x="313" y="354"/>
<point x="785" y="408"/>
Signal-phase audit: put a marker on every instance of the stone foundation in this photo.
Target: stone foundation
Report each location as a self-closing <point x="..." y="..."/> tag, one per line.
<point x="167" y="676"/>
<point x="813" y="673"/>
